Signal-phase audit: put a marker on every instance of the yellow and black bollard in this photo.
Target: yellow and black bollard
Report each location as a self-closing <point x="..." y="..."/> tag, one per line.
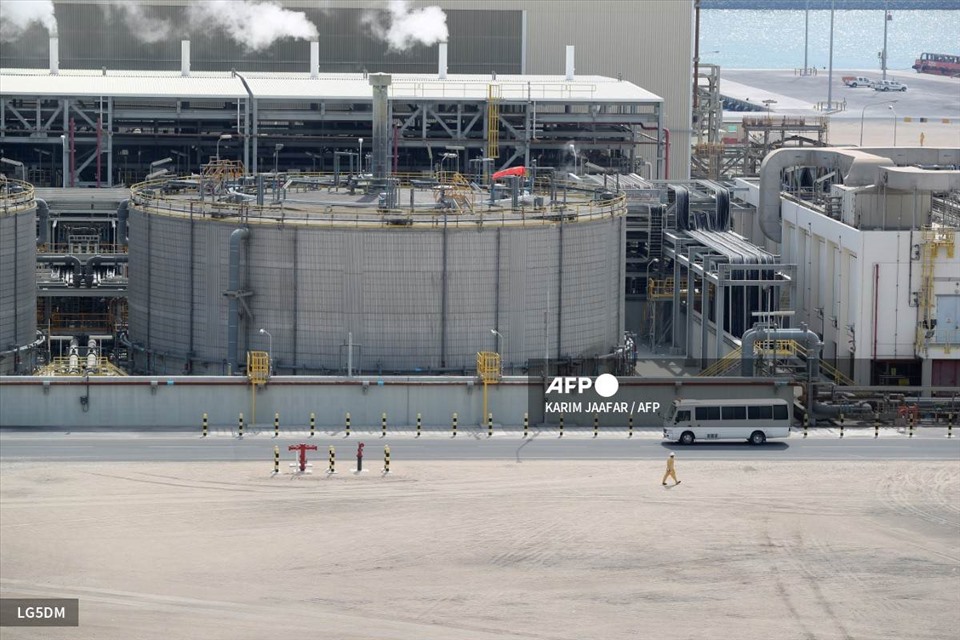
<point x="950" y="425"/>
<point x="204" y="432"/>
<point x="526" y="424"/>
<point x="333" y="458"/>
<point x="596" y="424"/>
<point x="313" y="424"/>
<point x="276" y="460"/>
<point x="276" y="425"/>
<point x="419" y="424"/>
<point x="240" y="426"/>
<point x="561" y="426"/>
<point x="911" y="424"/>
<point x="383" y="425"/>
<point x="841" y="425"/>
<point x="489" y="425"/>
<point x="454" y="425"/>
<point x="630" y="432"/>
<point x="386" y="459"/>
<point x="806" y="423"/>
<point x="347" y="423"/>
<point x="876" y="424"/>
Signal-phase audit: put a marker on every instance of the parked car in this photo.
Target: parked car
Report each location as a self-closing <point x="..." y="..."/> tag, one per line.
<point x="857" y="81"/>
<point x="888" y="85"/>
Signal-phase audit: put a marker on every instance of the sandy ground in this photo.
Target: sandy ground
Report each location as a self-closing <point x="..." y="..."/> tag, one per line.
<point x="879" y="133"/>
<point x="483" y="550"/>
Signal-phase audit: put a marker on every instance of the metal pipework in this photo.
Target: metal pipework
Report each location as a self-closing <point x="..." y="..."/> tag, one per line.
<point x="233" y="315"/>
<point x="122" y="214"/>
<point x="43" y="216"/>
<point x="380" y="164"/>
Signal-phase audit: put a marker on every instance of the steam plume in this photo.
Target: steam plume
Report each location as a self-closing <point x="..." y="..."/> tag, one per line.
<point x="254" y="25"/>
<point x="402" y="28"/>
<point x="17" y="15"/>
<point x="144" y="27"/>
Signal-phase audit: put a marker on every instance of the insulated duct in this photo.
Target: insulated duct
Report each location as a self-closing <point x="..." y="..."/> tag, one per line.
<point x="233" y="311"/>
<point x="122" y="214"/>
<point x="380" y="159"/>
<point x="43" y="215"/>
<point x="893" y="167"/>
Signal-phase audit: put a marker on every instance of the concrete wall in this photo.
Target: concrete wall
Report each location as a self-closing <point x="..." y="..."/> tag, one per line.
<point x="181" y="401"/>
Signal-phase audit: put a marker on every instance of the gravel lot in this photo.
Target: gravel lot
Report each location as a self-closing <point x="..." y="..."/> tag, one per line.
<point x="483" y="550"/>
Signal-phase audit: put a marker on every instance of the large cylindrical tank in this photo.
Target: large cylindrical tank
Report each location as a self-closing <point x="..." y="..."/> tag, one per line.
<point x="18" y="284"/>
<point x="417" y="296"/>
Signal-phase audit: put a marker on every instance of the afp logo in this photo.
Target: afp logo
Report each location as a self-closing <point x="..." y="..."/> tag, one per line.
<point x="606" y="385"/>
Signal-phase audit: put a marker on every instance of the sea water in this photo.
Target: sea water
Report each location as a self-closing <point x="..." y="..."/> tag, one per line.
<point x="741" y="39"/>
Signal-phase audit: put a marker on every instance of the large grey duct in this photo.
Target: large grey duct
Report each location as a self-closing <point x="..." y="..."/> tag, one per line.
<point x="859" y="168"/>
<point x="233" y="312"/>
<point x="122" y="215"/>
<point x="43" y="215"/>
<point x="381" y="128"/>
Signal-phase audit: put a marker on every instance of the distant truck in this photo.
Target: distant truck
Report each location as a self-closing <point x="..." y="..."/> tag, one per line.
<point x="889" y="85"/>
<point x="857" y="81"/>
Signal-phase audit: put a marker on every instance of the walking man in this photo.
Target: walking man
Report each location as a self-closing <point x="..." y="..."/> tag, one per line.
<point x="670" y="472"/>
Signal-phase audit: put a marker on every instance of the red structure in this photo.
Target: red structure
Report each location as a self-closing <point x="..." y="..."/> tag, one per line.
<point x="302" y="448"/>
<point x="512" y="171"/>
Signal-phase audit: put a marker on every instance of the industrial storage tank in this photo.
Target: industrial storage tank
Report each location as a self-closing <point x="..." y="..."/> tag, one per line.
<point x="339" y="284"/>
<point x="18" y="285"/>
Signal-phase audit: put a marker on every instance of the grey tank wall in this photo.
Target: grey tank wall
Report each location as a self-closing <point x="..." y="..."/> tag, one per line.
<point x="18" y="286"/>
<point x="180" y="401"/>
<point x="548" y="290"/>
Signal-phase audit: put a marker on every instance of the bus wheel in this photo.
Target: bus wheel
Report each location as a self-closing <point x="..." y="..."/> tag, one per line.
<point x="687" y="437"/>
<point x="757" y="437"/>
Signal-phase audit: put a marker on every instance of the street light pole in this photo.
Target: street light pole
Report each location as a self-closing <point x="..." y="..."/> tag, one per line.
<point x="862" y="111"/>
<point x="264" y="332"/>
<point x="361" y="156"/>
<point x="499" y="337"/>
<point x="890" y="106"/>
<point x="225" y="136"/>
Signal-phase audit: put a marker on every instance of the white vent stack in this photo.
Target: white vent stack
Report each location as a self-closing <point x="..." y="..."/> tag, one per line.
<point x="185" y="58"/>
<point x="442" y="67"/>
<point x="569" y="62"/>
<point x="54" y="56"/>
<point x="314" y="60"/>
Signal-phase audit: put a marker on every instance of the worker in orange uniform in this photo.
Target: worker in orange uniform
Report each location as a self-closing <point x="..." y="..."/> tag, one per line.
<point x="670" y="471"/>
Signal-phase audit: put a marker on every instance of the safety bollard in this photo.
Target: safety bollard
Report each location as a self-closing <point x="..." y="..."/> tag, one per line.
<point x="383" y="425"/>
<point x="276" y="460"/>
<point x="806" y="423"/>
<point x="596" y="425"/>
<point x="332" y="468"/>
<point x="313" y="424"/>
<point x="240" y="426"/>
<point x="526" y="424"/>
<point x="419" y="423"/>
<point x="630" y="432"/>
<point x="561" y="426"/>
<point x="911" y="424"/>
<point x="876" y="424"/>
<point x="204" y="432"/>
<point x="489" y="425"/>
<point x="454" y="425"/>
<point x="360" y="457"/>
<point x="386" y="459"/>
<point x="347" y="422"/>
<point x="276" y="425"/>
<point x="841" y="425"/>
<point x="950" y="425"/>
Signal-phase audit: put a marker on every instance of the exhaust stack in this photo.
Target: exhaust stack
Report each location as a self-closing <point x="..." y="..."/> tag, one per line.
<point x="569" y="62"/>
<point x="185" y="58"/>
<point x="314" y="60"/>
<point x="442" y="70"/>
<point x="54" y="56"/>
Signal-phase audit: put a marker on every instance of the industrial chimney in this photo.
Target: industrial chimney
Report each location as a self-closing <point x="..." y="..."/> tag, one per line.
<point x="569" y="62"/>
<point x="185" y="58"/>
<point x="54" y="56"/>
<point x="314" y="60"/>
<point x="442" y="70"/>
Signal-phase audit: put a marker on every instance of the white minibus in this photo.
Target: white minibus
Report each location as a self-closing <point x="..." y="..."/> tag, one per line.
<point x="752" y="420"/>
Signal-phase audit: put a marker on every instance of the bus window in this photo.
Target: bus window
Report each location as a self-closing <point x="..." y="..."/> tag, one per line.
<point x="780" y="412"/>
<point x="708" y="413"/>
<point x="760" y="413"/>
<point x="671" y="411"/>
<point x="683" y="416"/>
<point x="734" y="413"/>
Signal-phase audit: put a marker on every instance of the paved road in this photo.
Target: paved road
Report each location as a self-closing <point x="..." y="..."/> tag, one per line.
<point x="164" y="446"/>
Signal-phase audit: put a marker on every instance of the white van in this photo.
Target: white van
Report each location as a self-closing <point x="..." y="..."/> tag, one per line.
<point x="752" y="420"/>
